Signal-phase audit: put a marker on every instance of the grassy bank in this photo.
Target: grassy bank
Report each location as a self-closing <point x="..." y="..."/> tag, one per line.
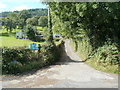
<point x="93" y="61"/>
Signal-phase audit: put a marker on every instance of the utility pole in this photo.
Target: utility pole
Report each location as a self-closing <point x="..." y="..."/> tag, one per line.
<point x="50" y="39"/>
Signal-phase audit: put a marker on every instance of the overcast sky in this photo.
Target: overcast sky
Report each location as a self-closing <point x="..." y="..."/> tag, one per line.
<point x="12" y="5"/>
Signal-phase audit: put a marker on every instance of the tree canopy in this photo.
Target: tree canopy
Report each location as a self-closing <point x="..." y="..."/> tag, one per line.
<point x="97" y="21"/>
<point x="42" y="21"/>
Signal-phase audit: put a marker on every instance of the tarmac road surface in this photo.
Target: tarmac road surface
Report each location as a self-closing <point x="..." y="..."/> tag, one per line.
<point x="70" y="72"/>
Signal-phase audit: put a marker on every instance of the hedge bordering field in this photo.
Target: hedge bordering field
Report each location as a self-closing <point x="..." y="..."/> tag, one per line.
<point x="20" y="60"/>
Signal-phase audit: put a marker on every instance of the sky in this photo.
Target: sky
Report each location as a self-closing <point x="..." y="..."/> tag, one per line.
<point x="17" y="5"/>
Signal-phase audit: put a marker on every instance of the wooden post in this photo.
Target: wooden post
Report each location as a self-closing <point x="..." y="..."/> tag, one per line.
<point x="39" y="47"/>
<point x="50" y="39"/>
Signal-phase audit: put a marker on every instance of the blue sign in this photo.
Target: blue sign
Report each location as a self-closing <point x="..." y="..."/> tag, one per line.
<point x="33" y="46"/>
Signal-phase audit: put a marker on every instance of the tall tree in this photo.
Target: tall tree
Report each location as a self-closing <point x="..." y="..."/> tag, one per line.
<point x="43" y="21"/>
<point x="24" y="15"/>
<point x="9" y="24"/>
<point x="33" y="21"/>
<point x="30" y="32"/>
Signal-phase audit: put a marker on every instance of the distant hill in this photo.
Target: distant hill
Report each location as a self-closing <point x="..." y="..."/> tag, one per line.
<point x="34" y="12"/>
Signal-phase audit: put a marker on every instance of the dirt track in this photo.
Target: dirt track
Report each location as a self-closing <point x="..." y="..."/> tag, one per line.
<point x="71" y="72"/>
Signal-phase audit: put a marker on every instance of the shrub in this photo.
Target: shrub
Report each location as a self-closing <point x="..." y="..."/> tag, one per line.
<point x="109" y="54"/>
<point x="19" y="60"/>
<point x="49" y="54"/>
<point x="15" y="59"/>
<point x="30" y="31"/>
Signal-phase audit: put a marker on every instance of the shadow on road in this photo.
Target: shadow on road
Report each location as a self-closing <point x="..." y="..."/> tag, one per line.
<point x="65" y="59"/>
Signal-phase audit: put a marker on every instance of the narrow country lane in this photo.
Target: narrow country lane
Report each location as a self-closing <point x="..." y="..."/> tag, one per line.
<point x="70" y="72"/>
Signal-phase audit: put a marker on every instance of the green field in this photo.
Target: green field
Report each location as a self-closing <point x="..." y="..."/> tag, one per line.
<point x="40" y="29"/>
<point x="9" y="40"/>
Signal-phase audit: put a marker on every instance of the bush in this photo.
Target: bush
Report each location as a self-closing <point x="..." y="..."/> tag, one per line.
<point x="15" y="59"/>
<point x="50" y="53"/>
<point x="109" y="54"/>
<point x="39" y="38"/>
<point x="19" y="60"/>
<point x="30" y="31"/>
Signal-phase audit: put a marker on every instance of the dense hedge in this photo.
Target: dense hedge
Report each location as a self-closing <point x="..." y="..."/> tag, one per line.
<point x="107" y="54"/>
<point x="19" y="60"/>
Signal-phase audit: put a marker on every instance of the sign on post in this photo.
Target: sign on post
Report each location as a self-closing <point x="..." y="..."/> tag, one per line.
<point x="33" y="46"/>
